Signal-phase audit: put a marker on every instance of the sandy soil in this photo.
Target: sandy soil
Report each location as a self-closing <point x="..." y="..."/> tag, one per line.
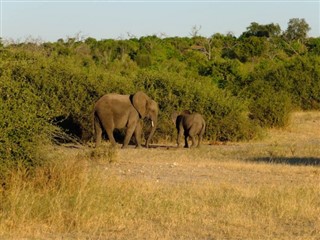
<point x="290" y="155"/>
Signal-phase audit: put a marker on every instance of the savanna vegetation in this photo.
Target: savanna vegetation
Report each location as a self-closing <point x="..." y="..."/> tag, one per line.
<point x="241" y="85"/>
<point x="267" y="189"/>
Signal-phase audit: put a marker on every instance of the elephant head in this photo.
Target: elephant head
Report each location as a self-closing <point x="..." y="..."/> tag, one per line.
<point x="176" y="117"/>
<point x="147" y="108"/>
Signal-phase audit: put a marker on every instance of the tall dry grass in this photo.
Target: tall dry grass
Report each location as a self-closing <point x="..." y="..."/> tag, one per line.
<point x="72" y="199"/>
<point x="75" y="197"/>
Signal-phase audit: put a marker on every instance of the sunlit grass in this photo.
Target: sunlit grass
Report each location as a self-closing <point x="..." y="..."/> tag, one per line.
<point x="77" y="201"/>
<point x="81" y="194"/>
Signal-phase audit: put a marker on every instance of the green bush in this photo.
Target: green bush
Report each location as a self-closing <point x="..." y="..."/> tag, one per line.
<point x="268" y="107"/>
<point x="304" y="74"/>
<point x="272" y="110"/>
<point x="226" y="116"/>
<point x="24" y="126"/>
<point x="44" y="83"/>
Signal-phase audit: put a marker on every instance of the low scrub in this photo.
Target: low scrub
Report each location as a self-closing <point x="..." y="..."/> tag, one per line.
<point x="73" y="198"/>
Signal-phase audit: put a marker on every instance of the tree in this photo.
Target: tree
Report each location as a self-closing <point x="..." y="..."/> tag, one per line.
<point x="195" y="31"/>
<point x="250" y="48"/>
<point x="297" y="30"/>
<point x="258" y="30"/>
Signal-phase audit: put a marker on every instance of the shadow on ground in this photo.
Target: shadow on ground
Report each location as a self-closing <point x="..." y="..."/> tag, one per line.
<point x="162" y="146"/>
<point x="307" y="161"/>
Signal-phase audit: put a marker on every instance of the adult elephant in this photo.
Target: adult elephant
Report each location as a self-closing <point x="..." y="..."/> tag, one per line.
<point x="115" y="111"/>
<point x="190" y="125"/>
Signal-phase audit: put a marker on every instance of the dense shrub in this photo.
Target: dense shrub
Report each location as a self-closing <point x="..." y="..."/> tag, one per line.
<point x="304" y="74"/>
<point x="226" y="116"/>
<point x="238" y="85"/>
<point x="23" y="123"/>
<point x="267" y="93"/>
<point x="271" y="109"/>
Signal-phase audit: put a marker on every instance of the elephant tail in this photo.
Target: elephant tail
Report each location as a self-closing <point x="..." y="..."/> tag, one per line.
<point x="93" y="119"/>
<point x="95" y="123"/>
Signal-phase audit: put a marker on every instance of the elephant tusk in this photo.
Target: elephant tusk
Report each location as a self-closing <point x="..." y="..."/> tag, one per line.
<point x="152" y="124"/>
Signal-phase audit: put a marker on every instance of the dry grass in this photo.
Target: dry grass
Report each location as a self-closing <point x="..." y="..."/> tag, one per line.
<point x="258" y="190"/>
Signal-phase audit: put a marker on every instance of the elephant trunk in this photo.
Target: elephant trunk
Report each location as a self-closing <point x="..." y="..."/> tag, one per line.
<point x="153" y="129"/>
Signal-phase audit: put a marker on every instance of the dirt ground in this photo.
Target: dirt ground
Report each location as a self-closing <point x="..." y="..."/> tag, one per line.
<point x="163" y="166"/>
<point x="290" y="155"/>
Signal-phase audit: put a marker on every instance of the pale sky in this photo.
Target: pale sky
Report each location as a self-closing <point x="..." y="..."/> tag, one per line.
<point x="50" y="20"/>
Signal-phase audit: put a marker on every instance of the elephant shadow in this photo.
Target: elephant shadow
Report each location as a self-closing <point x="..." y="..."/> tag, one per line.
<point x="297" y="161"/>
<point x="162" y="146"/>
<point x="119" y="135"/>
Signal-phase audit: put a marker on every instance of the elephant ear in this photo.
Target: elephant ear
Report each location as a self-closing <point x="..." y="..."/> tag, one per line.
<point x="174" y="116"/>
<point x="140" y="101"/>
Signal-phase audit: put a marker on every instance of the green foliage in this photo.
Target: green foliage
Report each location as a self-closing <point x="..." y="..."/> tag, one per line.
<point x="258" y="30"/>
<point x="313" y="45"/>
<point x="226" y="116"/>
<point x="297" y="29"/>
<point x="250" y="48"/>
<point x="304" y="74"/>
<point x="24" y="125"/>
<point x="238" y="84"/>
<point x="270" y="108"/>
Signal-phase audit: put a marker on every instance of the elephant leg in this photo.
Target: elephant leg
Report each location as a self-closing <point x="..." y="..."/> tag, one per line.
<point x="97" y="132"/>
<point x="178" y="140"/>
<point x="130" y="130"/>
<point x="199" y="140"/>
<point x="180" y="133"/>
<point x="137" y="135"/>
<point x="201" y="133"/>
<point x="109" y="129"/>
<point x="111" y="137"/>
<point x="186" y="145"/>
<point x="127" y="138"/>
<point x="193" y="138"/>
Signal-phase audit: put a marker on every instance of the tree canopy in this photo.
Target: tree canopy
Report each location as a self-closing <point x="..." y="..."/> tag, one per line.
<point x="258" y="30"/>
<point x="297" y="29"/>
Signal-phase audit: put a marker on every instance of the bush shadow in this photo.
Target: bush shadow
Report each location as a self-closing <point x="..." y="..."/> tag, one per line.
<point x="298" y="161"/>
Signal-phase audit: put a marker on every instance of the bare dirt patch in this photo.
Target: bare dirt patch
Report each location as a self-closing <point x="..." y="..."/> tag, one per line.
<point x="290" y="155"/>
<point x="209" y="164"/>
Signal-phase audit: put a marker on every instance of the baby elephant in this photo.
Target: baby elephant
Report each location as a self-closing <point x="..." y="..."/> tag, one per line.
<point x="191" y="125"/>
